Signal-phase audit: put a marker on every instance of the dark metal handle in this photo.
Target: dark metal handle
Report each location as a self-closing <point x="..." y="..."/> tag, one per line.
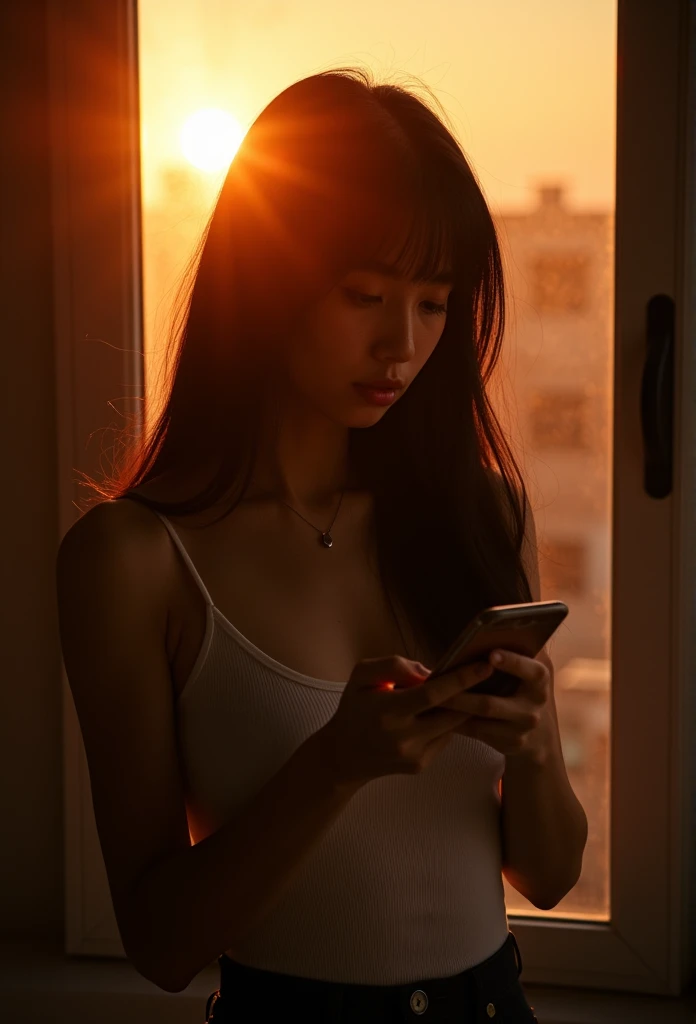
<point x="657" y="397"/>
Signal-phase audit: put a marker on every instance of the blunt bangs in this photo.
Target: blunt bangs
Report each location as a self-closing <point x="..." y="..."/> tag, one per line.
<point x="408" y="230"/>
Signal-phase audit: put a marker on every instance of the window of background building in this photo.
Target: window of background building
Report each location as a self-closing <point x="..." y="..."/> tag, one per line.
<point x="560" y="282"/>
<point x="558" y="419"/>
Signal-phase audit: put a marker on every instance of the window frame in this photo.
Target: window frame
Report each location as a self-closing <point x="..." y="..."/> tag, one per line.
<point x="649" y="944"/>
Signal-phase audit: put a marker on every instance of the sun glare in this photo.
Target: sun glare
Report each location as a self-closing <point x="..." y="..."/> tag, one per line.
<point x="209" y="139"/>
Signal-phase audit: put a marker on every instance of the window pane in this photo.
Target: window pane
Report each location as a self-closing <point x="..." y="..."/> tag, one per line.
<point x="540" y="132"/>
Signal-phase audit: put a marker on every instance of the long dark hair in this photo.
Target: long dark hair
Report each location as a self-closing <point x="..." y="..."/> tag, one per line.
<point x="334" y="167"/>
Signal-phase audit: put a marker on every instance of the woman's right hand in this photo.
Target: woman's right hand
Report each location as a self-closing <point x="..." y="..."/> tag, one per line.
<point x="380" y="730"/>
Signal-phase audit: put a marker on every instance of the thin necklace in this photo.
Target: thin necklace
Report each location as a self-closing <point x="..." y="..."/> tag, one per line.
<point x="326" y="539"/>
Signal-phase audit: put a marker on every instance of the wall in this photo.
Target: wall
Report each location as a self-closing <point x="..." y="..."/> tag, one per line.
<point x="31" y="882"/>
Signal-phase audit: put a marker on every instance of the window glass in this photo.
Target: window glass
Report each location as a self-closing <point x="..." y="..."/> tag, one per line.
<point x="539" y="130"/>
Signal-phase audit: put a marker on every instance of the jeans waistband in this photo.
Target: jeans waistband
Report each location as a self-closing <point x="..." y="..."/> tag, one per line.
<point x="469" y="987"/>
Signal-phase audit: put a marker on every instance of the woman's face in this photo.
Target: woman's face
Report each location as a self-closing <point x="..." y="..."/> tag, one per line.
<point x="371" y="325"/>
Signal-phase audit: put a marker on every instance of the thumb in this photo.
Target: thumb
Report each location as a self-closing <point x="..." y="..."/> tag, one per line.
<point x="416" y="674"/>
<point x="387" y="673"/>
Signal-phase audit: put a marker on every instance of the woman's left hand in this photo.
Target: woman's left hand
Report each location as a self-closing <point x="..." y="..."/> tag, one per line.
<point x="524" y="724"/>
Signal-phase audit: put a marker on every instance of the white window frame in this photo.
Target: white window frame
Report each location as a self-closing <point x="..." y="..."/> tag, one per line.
<point x="649" y="944"/>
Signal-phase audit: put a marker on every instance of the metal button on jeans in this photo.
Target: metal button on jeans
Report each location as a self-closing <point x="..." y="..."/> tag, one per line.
<point x="490" y="1010"/>
<point x="419" y="1001"/>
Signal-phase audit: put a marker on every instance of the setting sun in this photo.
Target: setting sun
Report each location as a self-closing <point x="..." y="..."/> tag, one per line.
<point x="210" y="138"/>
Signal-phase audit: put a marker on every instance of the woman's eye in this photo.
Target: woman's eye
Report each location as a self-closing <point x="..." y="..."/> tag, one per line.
<point x="361" y="299"/>
<point x="437" y="309"/>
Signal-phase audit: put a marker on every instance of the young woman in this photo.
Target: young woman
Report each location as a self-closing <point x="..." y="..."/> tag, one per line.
<point x="313" y="517"/>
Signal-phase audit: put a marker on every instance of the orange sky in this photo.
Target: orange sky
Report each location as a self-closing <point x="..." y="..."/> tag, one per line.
<point x="530" y="87"/>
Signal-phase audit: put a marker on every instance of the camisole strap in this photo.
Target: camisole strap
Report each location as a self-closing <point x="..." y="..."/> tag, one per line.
<point x="185" y="555"/>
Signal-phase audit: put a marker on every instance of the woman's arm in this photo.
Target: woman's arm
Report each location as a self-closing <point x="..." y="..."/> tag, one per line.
<point x="544" y="826"/>
<point x="177" y="906"/>
<point x="192" y="906"/>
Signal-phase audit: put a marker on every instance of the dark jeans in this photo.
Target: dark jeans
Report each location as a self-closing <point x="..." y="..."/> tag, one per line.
<point x="488" y="992"/>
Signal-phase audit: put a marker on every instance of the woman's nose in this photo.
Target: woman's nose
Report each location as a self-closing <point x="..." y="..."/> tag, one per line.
<point x="398" y="335"/>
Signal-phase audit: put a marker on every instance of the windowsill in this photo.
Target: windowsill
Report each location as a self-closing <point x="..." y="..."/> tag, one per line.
<point x="35" y="975"/>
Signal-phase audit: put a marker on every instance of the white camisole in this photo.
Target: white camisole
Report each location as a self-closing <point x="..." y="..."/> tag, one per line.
<point x="406" y="883"/>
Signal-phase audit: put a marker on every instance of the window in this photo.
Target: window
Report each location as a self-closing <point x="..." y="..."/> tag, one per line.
<point x="560" y="282"/>
<point x="558" y="420"/>
<point x="563" y="567"/>
<point x="615" y="930"/>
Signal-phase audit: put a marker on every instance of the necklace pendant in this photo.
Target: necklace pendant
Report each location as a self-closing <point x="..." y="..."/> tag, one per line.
<point x="326" y="539"/>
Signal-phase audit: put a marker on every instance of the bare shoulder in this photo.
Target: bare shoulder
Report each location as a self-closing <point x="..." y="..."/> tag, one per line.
<point x="116" y="545"/>
<point x="114" y="566"/>
<point x="124" y="525"/>
<point x="121" y="519"/>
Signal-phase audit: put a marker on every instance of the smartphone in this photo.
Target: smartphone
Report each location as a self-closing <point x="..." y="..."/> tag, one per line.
<point x="523" y="628"/>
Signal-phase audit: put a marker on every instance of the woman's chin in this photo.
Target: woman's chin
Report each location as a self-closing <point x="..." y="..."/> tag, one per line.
<point x="367" y="418"/>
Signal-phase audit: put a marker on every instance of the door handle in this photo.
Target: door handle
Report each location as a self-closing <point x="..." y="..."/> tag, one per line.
<point x="657" y="397"/>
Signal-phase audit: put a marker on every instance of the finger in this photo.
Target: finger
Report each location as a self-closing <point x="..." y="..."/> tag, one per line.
<point x="393" y="673"/>
<point x="529" y="669"/>
<point x="432" y="692"/>
<point x="485" y="705"/>
<point x="501" y="736"/>
<point x="522" y="712"/>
